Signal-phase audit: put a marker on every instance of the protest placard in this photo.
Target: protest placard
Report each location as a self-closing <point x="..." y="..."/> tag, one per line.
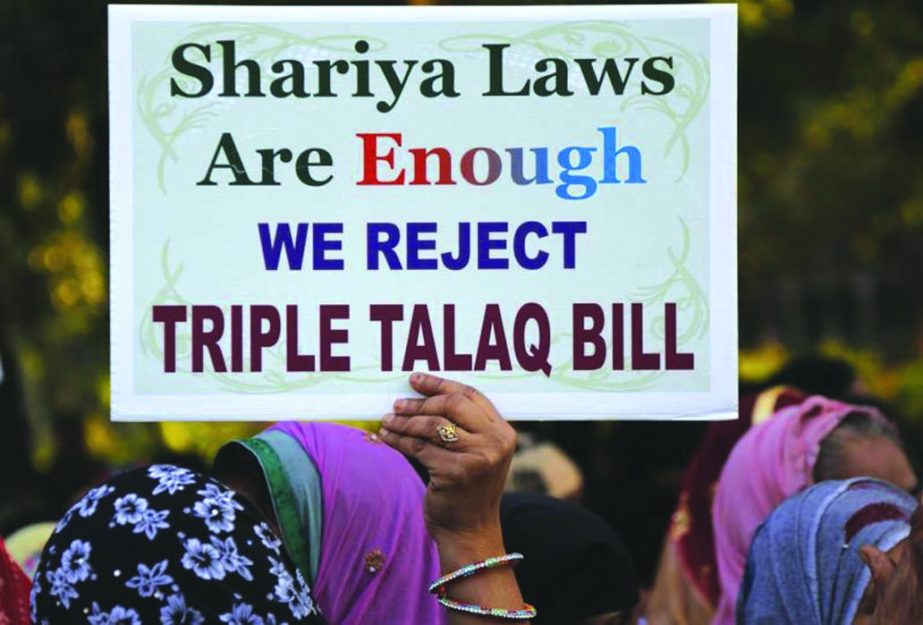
<point x="309" y="203"/>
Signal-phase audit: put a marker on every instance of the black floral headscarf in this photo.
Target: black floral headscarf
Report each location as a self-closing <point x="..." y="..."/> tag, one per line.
<point x="164" y="545"/>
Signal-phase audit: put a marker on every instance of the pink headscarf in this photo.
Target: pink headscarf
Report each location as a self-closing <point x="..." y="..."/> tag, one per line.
<point x="769" y="464"/>
<point x="377" y="558"/>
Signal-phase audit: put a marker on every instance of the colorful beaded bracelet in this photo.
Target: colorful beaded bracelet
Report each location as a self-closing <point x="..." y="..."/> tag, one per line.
<point x="525" y="613"/>
<point x="471" y="569"/>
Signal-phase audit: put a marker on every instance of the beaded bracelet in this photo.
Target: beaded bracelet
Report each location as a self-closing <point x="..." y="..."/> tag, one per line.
<point x="471" y="569"/>
<point x="525" y="613"/>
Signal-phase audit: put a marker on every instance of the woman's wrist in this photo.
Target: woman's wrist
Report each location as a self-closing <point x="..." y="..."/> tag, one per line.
<point x="458" y="548"/>
<point x="493" y="586"/>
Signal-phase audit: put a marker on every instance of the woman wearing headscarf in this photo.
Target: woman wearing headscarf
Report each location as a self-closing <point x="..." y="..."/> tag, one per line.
<point x="350" y="511"/>
<point x="163" y="544"/>
<point x="808" y="561"/>
<point x="576" y="569"/>
<point x="360" y="524"/>
<point x="575" y="566"/>
<point x="816" y="440"/>
<point x="686" y="589"/>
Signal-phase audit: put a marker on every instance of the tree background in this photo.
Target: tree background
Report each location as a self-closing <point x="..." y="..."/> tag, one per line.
<point x="830" y="242"/>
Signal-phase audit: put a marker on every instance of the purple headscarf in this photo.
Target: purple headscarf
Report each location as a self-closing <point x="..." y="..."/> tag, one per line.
<point x="770" y="463"/>
<point x="377" y="558"/>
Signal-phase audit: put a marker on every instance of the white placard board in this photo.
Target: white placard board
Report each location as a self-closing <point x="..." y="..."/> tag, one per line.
<point x="308" y="203"/>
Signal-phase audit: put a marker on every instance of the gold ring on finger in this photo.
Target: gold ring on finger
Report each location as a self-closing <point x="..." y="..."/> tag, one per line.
<point x="448" y="432"/>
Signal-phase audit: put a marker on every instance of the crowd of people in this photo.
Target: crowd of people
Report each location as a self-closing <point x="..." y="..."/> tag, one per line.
<point x="803" y="511"/>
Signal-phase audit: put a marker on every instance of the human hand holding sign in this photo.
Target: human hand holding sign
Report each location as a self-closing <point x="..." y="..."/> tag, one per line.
<point x="467" y="475"/>
<point x="467" y="447"/>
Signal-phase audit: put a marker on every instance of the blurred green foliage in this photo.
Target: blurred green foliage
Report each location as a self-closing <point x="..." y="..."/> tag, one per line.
<point x="831" y="205"/>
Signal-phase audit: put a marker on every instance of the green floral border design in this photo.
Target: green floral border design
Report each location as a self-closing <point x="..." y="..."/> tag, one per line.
<point x="157" y="110"/>
<point x="265" y="382"/>
<point x="611" y="39"/>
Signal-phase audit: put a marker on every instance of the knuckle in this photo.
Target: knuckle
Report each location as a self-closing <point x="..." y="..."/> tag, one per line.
<point x="470" y="392"/>
<point x="429" y="426"/>
<point x="482" y="465"/>
<point x="500" y="446"/>
<point x="508" y="442"/>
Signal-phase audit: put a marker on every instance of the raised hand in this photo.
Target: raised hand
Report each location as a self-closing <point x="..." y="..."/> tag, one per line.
<point x="458" y="435"/>
<point x="467" y="475"/>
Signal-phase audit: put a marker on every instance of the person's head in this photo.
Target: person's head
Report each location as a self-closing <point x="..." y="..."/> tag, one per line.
<point x="895" y="594"/>
<point x="864" y="444"/>
<point x="818" y="438"/>
<point x="576" y="569"/>
<point x="349" y="509"/>
<point x="807" y="563"/>
<point x="165" y="544"/>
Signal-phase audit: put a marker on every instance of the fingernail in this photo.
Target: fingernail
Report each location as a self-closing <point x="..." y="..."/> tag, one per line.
<point x="388" y="418"/>
<point x="384" y="432"/>
<point x="416" y="377"/>
<point x="399" y="404"/>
